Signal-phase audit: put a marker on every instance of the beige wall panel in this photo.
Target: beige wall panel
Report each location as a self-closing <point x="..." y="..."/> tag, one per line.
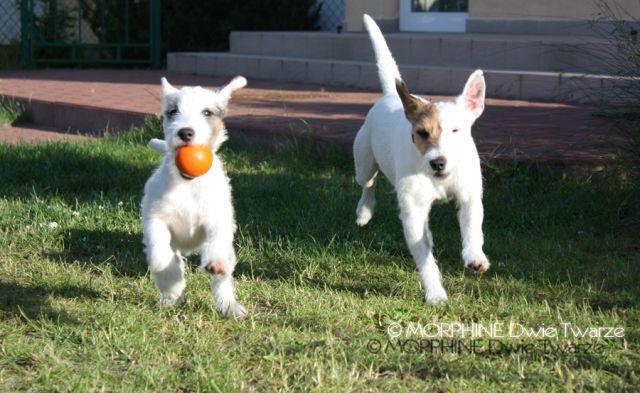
<point x="546" y="9"/>
<point x="378" y="9"/>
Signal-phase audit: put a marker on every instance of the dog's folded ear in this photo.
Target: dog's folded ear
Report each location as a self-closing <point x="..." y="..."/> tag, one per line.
<point x="473" y="94"/>
<point x="410" y="103"/>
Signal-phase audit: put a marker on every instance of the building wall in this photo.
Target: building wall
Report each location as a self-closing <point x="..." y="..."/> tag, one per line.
<point x="546" y="9"/>
<point x="386" y="11"/>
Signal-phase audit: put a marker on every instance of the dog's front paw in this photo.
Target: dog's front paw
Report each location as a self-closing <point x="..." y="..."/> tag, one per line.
<point x="216" y="267"/>
<point x="475" y="260"/>
<point x="232" y="310"/>
<point x="363" y="216"/>
<point x="435" y="296"/>
<point x="170" y="300"/>
<point x="478" y="266"/>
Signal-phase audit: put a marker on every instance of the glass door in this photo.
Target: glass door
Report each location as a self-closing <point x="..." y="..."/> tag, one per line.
<point x="433" y="15"/>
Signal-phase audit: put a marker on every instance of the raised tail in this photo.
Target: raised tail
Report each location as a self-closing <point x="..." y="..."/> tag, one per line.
<point x="158" y="145"/>
<point x="387" y="68"/>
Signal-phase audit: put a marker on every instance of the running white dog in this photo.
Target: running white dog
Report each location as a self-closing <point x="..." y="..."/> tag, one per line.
<point x="181" y="215"/>
<point x="427" y="153"/>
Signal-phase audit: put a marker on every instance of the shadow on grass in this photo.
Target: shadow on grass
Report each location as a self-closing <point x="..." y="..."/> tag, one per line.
<point x="33" y="302"/>
<point x="72" y="171"/>
<point x="306" y="203"/>
<point x="122" y="250"/>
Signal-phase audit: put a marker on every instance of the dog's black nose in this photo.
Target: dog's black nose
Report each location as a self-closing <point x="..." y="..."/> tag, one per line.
<point x="438" y="164"/>
<point x="186" y="134"/>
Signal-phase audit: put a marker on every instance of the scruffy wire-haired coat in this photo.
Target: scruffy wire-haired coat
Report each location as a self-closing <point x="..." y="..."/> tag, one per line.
<point x="181" y="215"/>
<point x="426" y="151"/>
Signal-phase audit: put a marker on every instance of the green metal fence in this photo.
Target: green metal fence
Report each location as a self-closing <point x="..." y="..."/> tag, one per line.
<point x="90" y="32"/>
<point x="9" y="34"/>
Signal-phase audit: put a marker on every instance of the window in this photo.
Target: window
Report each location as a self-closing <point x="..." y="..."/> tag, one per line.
<point x="439" y="5"/>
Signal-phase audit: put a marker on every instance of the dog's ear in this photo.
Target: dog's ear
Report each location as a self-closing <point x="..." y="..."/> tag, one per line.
<point x="166" y="87"/>
<point x="225" y="92"/>
<point x="409" y="102"/>
<point x="472" y="97"/>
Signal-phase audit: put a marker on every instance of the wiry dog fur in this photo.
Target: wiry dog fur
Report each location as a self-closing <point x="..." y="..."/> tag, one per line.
<point x="181" y="215"/>
<point x="427" y="153"/>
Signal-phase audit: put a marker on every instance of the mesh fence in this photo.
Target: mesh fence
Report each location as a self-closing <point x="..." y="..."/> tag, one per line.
<point x="9" y="34"/>
<point x="331" y="15"/>
<point x="9" y="22"/>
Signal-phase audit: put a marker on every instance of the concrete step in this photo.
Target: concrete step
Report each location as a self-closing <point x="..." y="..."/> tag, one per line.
<point x="436" y="80"/>
<point x="509" y="52"/>
<point x="88" y="120"/>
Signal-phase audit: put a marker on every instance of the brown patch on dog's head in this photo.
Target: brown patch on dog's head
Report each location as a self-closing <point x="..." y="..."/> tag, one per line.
<point x="423" y="116"/>
<point x="215" y="124"/>
<point x="216" y="127"/>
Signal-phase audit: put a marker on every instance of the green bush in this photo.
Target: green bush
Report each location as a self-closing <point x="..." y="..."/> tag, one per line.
<point x="623" y="61"/>
<point x="191" y="25"/>
<point x="12" y="112"/>
<point x="10" y="55"/>
<point x="186" y="25"/>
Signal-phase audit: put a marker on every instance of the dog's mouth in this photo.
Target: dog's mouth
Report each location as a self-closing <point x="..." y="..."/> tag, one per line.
<point x="185" y="177"/>
<point x="440" y="175"/>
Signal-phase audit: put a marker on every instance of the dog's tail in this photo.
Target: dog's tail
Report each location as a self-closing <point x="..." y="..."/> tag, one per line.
<point x="158" y="145"/>
<point x="387" y="68"/>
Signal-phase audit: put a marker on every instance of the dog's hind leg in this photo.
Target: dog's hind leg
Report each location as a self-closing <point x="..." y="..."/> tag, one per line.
<point x="165" y="264"/>
<point x="366" y="171"/>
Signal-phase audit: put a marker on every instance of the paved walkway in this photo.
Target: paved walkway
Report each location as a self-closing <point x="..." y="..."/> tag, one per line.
<point x="32" y="134"/>
<point x="548" y="132"/>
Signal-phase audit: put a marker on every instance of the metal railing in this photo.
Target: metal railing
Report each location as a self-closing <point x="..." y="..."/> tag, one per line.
<point x="76" y="32"/>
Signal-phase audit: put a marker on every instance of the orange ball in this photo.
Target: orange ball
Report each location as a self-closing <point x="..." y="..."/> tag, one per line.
<point x="194" y="161"/>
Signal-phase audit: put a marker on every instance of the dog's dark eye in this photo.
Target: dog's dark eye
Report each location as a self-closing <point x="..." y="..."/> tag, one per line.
<point x="456" y="129"/>
<point x="423" y="133"/>
<point x="207" y="113"/>
<point x="172" y="112"/>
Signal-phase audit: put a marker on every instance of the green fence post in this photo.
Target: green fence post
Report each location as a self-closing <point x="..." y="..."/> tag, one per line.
<point x="154" y="33"/>
<point x="25" y="33"/>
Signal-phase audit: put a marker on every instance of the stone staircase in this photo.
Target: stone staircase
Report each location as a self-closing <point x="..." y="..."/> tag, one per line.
<point x="526" y="67"/>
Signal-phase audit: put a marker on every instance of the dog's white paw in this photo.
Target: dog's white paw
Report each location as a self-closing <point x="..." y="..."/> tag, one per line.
<point x="475" y="261"/>
<point x="232" y="310"/>
<point x="436" y="295"/>
<point x="363" y="216"/>
<point x="170" y="300"/>
<point x="478" y="266"/>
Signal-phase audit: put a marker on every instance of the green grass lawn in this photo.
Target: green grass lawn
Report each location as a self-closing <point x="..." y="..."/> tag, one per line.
<point x="78" y="309"/>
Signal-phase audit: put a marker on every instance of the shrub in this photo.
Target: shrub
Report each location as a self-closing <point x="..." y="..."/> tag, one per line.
<point x="192" y="25"/>
<point x="622" y="60"/>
